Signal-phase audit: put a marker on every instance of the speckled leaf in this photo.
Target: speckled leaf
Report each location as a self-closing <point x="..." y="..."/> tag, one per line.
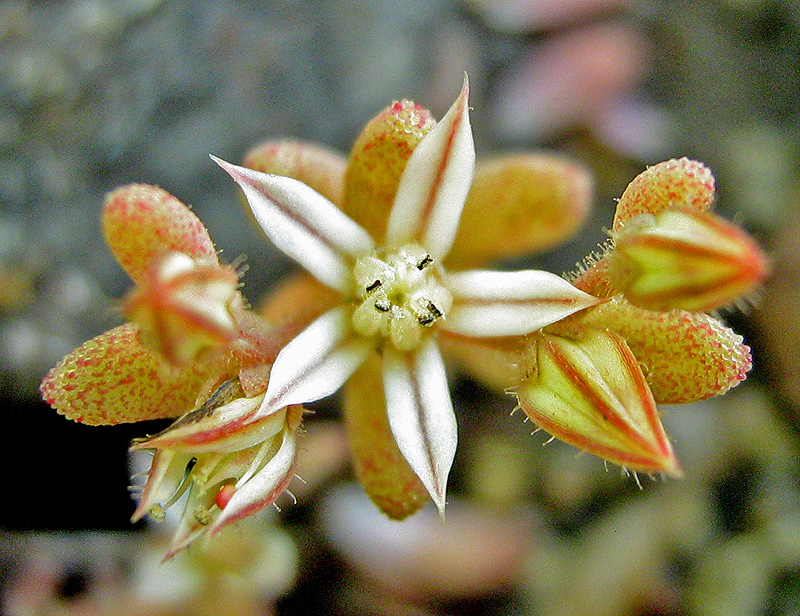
<point x="112" y="379"/>
<point x="142" y="221"/>
<point x="377" y="161"/>
<point x="680" y="182"/>
<point x="318" y="167"/>
<point x="519" y="204"/>
<point x="687" y="356"/>
<point x="381" y="468"/>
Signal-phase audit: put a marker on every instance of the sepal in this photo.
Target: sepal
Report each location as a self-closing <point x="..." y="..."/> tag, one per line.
<point x="688" y="356"/>
<point x="589" y="391"/>
<point x="680" y="258"/>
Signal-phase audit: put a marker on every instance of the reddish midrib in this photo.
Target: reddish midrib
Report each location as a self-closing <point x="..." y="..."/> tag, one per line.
<point x="425" y="214"/>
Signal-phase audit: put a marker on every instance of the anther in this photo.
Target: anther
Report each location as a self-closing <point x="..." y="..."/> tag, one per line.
<point x="383" y="305"/>
<point x="433" y="315"/>
<point x="426" y="261"/>
<point x="373" y="285"/>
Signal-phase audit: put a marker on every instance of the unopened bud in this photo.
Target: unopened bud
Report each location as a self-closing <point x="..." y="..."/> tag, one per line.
<point x="590" y="392"/>
<point x="184" y="307"/>
<point x="680" y="258"/>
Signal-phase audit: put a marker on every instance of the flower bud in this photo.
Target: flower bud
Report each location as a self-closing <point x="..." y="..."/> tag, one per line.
<point x="680" y="258"/>
<point x="231" y="463"/>
<point x="184" y="307"/>
<point x="590" y="392"/>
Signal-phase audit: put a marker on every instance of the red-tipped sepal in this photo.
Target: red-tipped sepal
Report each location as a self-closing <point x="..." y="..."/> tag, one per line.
<point x="679" y="258"/>
<point x="589" y="391"/>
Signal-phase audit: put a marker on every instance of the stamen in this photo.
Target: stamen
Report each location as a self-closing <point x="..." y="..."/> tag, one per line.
<point x="434" y="314"/>
<point x="400" y="293"/>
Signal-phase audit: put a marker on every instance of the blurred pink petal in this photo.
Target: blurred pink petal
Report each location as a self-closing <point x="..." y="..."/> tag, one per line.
<point x="474" y="553"/>
<point x="636" y="129"/>
<point x="570" y="81"/>
<point x="527" y="15"/>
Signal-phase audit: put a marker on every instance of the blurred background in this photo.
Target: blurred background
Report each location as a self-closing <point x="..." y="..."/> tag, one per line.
<point x="97" y="93"/>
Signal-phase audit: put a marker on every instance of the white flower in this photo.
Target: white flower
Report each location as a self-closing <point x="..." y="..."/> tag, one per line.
<point x="397" y="297"/>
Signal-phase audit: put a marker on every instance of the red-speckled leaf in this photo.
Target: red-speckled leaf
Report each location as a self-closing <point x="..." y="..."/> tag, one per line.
<point x="680" y="182"/>
<point x="141" y="222"/>
<point x="687" y="356"/>
<point x="377" y="161"/>
<point x="112" y="379"/>
<point x="518" y="204"/>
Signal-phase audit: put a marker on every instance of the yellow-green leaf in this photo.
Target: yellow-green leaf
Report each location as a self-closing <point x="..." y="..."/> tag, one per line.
<point x="112" y="379"/>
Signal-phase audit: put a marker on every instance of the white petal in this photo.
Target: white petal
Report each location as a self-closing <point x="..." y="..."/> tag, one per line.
<point x="262" y="488"/>
<point x="435" y="183"/>
<point x="315" y="363"/>
<point x="303" y="224"/>
<point x="166" y="474"/>
<point x="489" y="303"/>
<point x="228" y="428"/>
<point x="421" y="414"/>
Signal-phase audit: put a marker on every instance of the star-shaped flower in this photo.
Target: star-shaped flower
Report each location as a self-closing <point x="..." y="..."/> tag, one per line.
<point x="395" y="295"/>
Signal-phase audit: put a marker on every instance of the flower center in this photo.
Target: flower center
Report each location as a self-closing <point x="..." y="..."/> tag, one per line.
<point x="401" y="296"/>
